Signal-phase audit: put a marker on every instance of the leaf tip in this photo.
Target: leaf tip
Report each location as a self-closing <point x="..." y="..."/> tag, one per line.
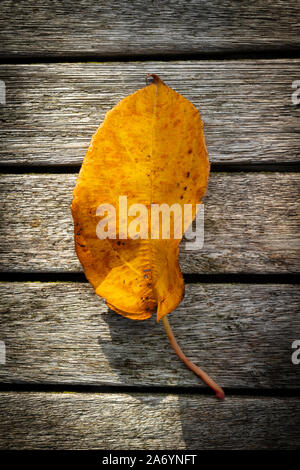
<point x="153" y="78"/>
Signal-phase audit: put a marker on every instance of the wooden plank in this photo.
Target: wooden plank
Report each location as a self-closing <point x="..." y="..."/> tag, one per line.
<point x="251" y="224"/>
<point x="63" y="333"/>
<point x="144" y="421"/>
<point x="52" y="110"/>
<point x="138" y="27"/>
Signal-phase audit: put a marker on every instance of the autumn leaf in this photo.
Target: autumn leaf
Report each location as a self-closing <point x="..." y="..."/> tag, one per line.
<point x="150" y="150"/>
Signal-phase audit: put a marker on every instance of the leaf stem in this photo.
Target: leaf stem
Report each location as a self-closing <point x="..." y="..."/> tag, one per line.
<point x="203" y="375"/>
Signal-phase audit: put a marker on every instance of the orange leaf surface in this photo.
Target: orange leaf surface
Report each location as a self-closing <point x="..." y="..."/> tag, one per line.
<point x="150" y="148"/>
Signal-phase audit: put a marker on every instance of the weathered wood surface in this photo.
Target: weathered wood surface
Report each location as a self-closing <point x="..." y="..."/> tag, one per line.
<point x="63" y="333"/>
<point x="251" y="224"/>
<point x="145" y="421"/>
<point x="139" y="27"/>
<point x="52" y="110"/>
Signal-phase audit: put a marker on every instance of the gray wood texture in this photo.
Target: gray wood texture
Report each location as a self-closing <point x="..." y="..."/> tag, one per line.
<point x="251" y="224"/>
<point x="52" y="110"/>
<point x="139" y="27"/>
<point x="63" y="333"/>
<point x="145" y="421"/>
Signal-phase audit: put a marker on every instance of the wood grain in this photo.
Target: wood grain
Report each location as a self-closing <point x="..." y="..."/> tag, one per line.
<point x="251" y="224"/>
<point x="144" y="421"/>
<point x="139" y="27"/>
<point x="52" y="110"/>
<point x="63" y="333"/>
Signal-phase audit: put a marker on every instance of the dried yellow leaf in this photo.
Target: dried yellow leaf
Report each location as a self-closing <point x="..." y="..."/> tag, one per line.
<point x="150" y="148"/>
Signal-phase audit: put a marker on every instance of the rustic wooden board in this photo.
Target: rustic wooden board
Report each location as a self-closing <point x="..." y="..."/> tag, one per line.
<point x="110" y="28"/>
<point x="251" y="224"/>
<point x="63" y="333"/>
<point x="146" y="421"/>
<point x="52" y="110"/>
